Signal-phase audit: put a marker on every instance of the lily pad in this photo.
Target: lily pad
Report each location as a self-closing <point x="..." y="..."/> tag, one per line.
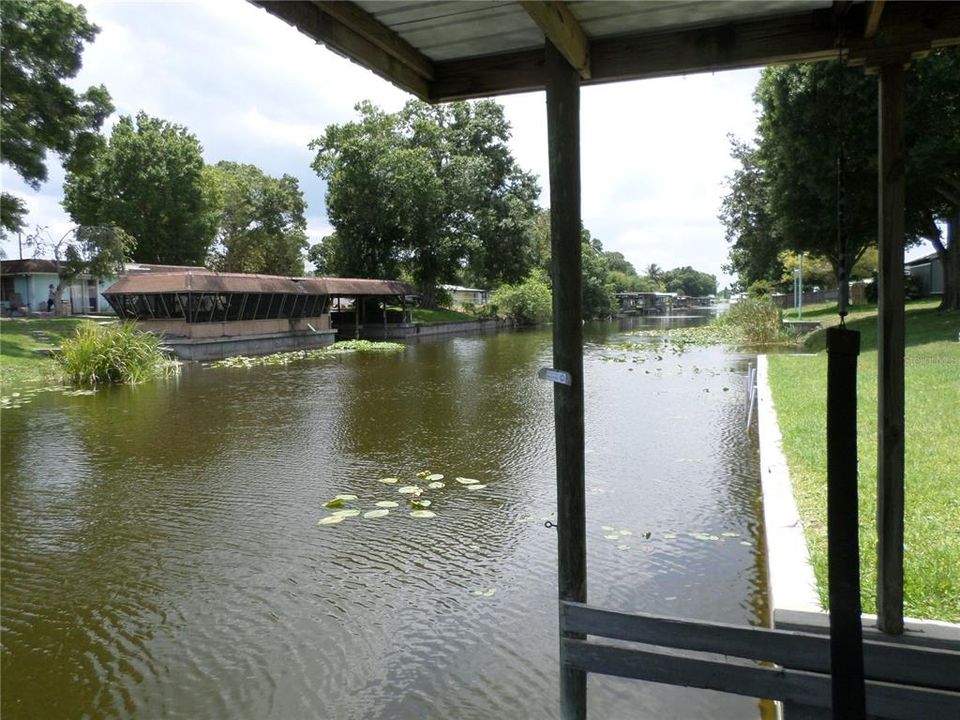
<point x="387" y="504"/>
<point x="409" y="489"/>
<point x="434" y="477"/>
<point x="346" y="497"/>
<point x="467" y="481"/>
<point x="608" y="528"/>
<point x="669" y="536"/>
<point x="435" y="485"/>
<point x="331" y="520"/>
<point x="423" y="514"/>
<point x="420" y="503"/>
<point x="479" y="486"/>
<point x="376" y="513"/>
<point x="346" y="513"/>
<point x="625" y="533"/>
<point x="335" y="503"/>
<point x="612" y="536"/>
<point x="490" y="592"/>
<point x="389" y="481"/>
<point x="623" y="547"/>
<point x="730" y="534"/>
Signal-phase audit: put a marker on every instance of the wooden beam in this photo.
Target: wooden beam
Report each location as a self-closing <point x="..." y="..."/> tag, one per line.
<point x="563" y="138"/>
<point x="874" y="11"/>
<point x="309" y="19"/>
<point x="890" y="340"/>
<point x="368" y="27"/>
<point x="561" y="28"/>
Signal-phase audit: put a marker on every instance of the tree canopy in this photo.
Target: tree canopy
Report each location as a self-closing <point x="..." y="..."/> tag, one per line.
<point x="43" y="41"/>
<point x="262" y="226"/>
<point x="150" y="181"/>
<point x="784" y="195"/>
<point x="430" y="191"/>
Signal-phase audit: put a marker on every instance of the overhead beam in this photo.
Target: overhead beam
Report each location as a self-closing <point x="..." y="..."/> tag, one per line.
<point x="561" y="28"/>
<point x="874" y="11"/>
<point x="368" y="27"/>
<point x="309" y="19"/>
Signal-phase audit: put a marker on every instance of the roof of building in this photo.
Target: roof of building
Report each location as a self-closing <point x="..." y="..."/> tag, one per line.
<point x="922" y="260"/>
<point x="28" y="266"/>
<point x="448" y="50"/>
<point x="207" y="281"/>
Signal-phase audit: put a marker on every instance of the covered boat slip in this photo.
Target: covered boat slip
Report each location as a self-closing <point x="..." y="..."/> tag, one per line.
<point x="204" y="315"/>
<point x="442" y="51"/>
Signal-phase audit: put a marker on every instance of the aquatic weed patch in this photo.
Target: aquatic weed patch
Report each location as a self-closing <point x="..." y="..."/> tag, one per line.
<point x="285" y="358"/>
<point x="113" y="354"/>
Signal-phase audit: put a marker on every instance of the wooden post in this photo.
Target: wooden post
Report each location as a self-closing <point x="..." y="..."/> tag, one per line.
<point x="890" y="385"/>
<point x="563" y="132"/>
<point x="843" y="528"/>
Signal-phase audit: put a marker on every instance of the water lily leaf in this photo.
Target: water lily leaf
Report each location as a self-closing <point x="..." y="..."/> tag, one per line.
<point x="623" y="547"/>
<point x="376" y="513"/>
<point x="479" y="486"/>
<point x="346" y="497"/>
<point x="420" y="503"/>
<point x="335" y="503"/>
<point x="625" y="533"/>
<point x="490" y="592"/>
<point x="423" y="514"/>
<point x="646" y="535"/>
<point x="423" y="473"/>
<point x="670" y="536"/>
<point x="730" y="534"/>
<point x="409" y="489"/>
<point x="389" y="481"/>
<point x="331" y="520"/>
<point x="434" y="477"/>
<point x="747" y="543"/>
<point x="387" y="504"/>
<point x="346" y="513"/>
<point x="467" y="481"/>
<point x="612" y="536"/>
<point x="608" y="528"/>
<point x="435" y="485"/>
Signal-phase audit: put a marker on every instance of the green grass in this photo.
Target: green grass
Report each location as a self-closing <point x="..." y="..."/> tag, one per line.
<point x="932" y="461"/>
<point x="21" y="343"/>
<point x="117" y="353"/>
<point x="438" y="315"/>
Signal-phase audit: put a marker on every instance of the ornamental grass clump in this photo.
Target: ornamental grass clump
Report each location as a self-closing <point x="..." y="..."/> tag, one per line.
<point x="758" y="320"/>
<point x="116" y="353"/>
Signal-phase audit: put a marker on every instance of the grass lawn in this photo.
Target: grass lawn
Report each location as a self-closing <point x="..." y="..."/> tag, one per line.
<point x="425" y="315"/>
<point x="20" y="341"/>
<point x="932" y="470"/>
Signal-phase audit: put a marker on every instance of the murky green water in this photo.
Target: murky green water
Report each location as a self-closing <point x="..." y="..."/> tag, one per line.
<point x="161" y="555"/>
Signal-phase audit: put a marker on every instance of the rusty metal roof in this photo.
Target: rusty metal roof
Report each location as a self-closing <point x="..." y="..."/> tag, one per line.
<point x="206" y="281"/>
<point x="442" y="51"/>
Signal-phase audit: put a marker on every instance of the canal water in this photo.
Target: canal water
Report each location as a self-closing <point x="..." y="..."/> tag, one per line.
<point x="161" y="555"/>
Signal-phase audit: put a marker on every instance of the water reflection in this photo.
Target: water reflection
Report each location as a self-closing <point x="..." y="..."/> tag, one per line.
<point x="161" y="554"/>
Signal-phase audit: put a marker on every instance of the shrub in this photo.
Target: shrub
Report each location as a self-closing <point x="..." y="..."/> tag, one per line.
<point x="759" y="320"/>
<point x="761" y="289"/>
<point x="526" y="303"/>
<point x="100" y="354"/>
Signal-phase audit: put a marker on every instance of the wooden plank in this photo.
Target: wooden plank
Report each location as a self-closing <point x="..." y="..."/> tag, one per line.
<point x="309" y="19"/>
<point x="563" y="139"/>
<point x="917" y="633"/>
<point x="874" y="11"/>
<point x="895" y="702"/>
<point x="891" y="347"/>
<point x="561" y="28"/>
<point x="368" y="27"/>
<point x="883" y="661"/>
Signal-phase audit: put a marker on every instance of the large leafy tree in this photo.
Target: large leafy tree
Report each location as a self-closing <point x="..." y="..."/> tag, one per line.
<point x="262" y="227"/>
<point x="42" y="44"/>
<point x="687" y="281"/>
<point x="150" y="181"/>
<point x="430" y="191"/>
<point x="784" y="195"/>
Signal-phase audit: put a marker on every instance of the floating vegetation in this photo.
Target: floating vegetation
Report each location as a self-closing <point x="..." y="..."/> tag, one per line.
<point x="337" y="502"/>
<point x="434" y="477"/>
<point x="423" y="504"/>
<point x="623" y="547"/>
<point x="467" y="481"/>
<point x="350" y="512"/>
<point x="423" y="514"/>
<point x="376" y="513"/>
<point x="346" y="497"/>
<point x="387" y="504"/>
<point x="331" y="520"/>
<point x="410" y="490"/>
<point x="478" y="486"/>
<point x="730" y="534"/>
<point x="77" y="393"/>
<point x="608" y="528"/>
<point x="423" y="474"/>
<point x="612" y="536"/>
<point x="389" y="481"/>
<point x="436" y="485"/>
<point x="285" y="358"/>
<point x="489" y="592"/>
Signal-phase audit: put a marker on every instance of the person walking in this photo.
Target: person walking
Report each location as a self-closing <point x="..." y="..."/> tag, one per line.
<point x="51" y="298"/>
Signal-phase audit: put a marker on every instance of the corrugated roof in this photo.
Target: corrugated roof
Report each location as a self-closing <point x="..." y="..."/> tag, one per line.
<point x="31" y="265"/>
<point x="206" y="281"/>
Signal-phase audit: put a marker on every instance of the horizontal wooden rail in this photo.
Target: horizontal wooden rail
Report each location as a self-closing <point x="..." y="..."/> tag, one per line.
<point x="885" y="662"/>
<point x="887" y="700"/>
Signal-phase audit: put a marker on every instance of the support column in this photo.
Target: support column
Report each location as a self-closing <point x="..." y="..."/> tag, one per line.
<point x="890" y="339"/>
<point x="563" y="132"/>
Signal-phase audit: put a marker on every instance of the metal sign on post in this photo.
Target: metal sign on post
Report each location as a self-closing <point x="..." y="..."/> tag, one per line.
<point x="557" y="376"/>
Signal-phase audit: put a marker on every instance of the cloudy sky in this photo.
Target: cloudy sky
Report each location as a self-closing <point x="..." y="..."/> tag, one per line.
<point x="253" y="90"/>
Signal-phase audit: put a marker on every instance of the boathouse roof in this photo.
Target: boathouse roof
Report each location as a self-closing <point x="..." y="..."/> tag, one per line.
<point x="208" y="281"/>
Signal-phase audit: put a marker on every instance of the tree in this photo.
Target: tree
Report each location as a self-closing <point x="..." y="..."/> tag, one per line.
<point x="149" y="180"/>
<point x="262" y="225"/>
<point x="687" y="281"/>
<point x="100" y="251"/>
<point x="42" y="44"/>
<point x="432" y="191"/>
